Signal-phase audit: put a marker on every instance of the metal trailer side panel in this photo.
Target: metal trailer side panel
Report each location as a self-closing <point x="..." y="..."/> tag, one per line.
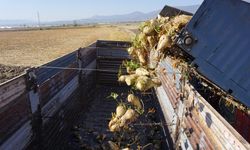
<point x="109" y="60"/>
<point x="112" y="44"/>
<point x="242" y="124"/>
<point x="14" y="110"/>
<point x="56" y="102"/>
<point x="58" y="87"/>
<point x="168" y="111"/>
<point x="55" y="83"/>
<point x="44" y="73"/>
<point x="214" y="125"/>
<point x="19" y="139"/>
<point x="12" y="89"/>
<point x="200" y="126"/>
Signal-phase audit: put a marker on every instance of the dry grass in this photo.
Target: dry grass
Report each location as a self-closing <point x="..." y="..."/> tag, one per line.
<point x="29" y="48"/>
<point x="131" y="27"/>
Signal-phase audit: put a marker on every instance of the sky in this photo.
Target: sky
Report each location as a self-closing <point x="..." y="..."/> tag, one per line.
<point x="54" y="10"/>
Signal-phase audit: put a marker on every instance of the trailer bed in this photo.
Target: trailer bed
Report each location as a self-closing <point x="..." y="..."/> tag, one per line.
<point x="84" y="124"/>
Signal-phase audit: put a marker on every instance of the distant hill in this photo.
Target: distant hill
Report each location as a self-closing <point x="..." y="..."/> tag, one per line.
<point x="130" y="17"/>
<point x="134" y="16"/>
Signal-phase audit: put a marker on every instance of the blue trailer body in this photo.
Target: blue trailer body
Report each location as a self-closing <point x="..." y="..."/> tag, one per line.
<point x="221" y="51"/>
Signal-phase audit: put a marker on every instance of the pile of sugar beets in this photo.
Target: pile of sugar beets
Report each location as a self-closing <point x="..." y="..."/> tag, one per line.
<point x="152" y="44"/>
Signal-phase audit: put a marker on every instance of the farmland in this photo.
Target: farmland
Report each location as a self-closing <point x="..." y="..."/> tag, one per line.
<point x="36" y="47"/>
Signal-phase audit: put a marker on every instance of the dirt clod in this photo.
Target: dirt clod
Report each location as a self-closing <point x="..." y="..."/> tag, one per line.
<point x="9" y="72"/>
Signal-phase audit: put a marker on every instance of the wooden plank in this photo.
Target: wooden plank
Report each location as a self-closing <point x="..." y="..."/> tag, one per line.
<point x="11" y="90"/>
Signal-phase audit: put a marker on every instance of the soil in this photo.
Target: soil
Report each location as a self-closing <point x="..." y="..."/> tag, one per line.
<point x="21" y="49"/>
<point x="9" y="72"/>
<point x="37" y="47"/>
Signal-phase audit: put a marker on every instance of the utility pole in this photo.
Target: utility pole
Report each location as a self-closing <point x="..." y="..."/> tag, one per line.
<point x="38" y="19"/>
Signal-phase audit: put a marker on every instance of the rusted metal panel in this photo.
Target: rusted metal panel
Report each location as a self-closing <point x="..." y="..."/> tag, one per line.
<point x="13" y="115"/>
<point x="113" y="49"/>
<point x="88" y="79"/>
<point x="242" y="124"/>
<point x="168" y="110"/>
<point x="11" y="90"/>
<point x="55" y="102"/>
<point x="90" y="68"/>
<point x="86" y="55"/>
<point x="200" y="126"/>
<point x="198" y="138"/>
<point x="68" y="75"/>
<point x="113" y="44"/>
<point x="87" y="62"/>
<point x="173" y="74"/>
<point x="184" y="142"/>
<point x="44" y="73"/>
<point x="34" y="101"/>
<point x="15" y="131"/>
<point x="220" y="130"/>
<point x="20" y="139"/>
<point x="108" y="70"/>
<point x="58" y="86"/>
<point x="110" y="55"/>
<point x="50" y="88"/>
<point x="171" y="80"/>
<point x="14" y="106"/>
<point x="170" y="90"/>
<point x="44" y="93"/>
<point x="55" y="83"/>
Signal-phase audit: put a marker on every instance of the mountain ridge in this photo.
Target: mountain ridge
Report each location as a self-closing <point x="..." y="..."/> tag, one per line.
<point x="135" y="16"/>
